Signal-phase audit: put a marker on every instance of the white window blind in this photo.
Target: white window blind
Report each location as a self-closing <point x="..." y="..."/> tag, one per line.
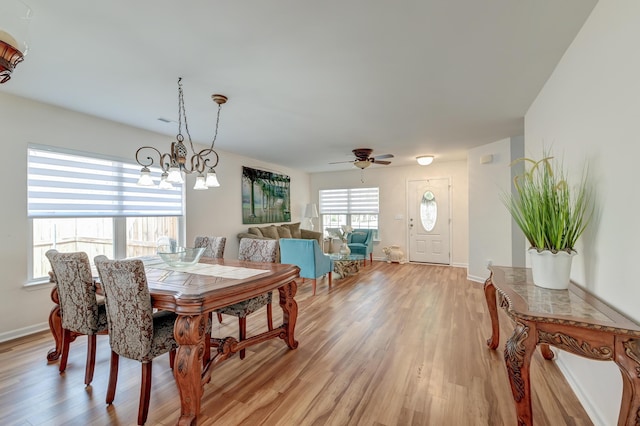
<point x="349" y="201"/>
<point x="64" y="183"/>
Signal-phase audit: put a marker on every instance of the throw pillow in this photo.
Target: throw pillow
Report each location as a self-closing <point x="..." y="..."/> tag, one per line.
<point x="270" y="232"/>
<point x="283" y="232"/>
<point x="295" y="230"/>
<point x="255" y="231"/>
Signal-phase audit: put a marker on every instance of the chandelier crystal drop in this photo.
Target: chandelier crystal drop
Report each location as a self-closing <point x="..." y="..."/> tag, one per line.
<point x="177" y="161"/>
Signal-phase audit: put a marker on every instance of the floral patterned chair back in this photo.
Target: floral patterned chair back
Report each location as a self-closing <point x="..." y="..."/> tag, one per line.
<point x="80" y="311"/>
<point x="131" y="321"/>
<point x="76" y="292"/>
<point x="252" y="250"/>
<point x="255" y="250"/>
<point x="135" y="331"/>
<point x="214" y="246"/>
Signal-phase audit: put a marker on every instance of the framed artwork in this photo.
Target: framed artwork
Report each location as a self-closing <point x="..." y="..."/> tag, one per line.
<point x="266" y="196"/>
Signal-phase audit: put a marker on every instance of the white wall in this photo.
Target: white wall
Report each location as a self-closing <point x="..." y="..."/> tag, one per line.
<point x="392" y="181"/>
<point x="588" y="110"/>
<point x="213" y="212"/>
<point x="492" y="236"/>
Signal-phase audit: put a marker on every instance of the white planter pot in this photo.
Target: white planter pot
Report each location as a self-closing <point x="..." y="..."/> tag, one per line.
<point x="551" y="270"/>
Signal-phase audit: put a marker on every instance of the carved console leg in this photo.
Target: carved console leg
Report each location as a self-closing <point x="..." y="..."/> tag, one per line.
<point x="490" y="296"/>
<point x="189" y="332"/>
<point x="517" y="356"/>
<point x="628" y="359"/>
<point x="55" y="325"/>
<point x="289" y="313"/>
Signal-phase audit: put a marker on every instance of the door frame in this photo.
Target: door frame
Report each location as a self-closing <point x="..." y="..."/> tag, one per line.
<point x="408" y="211"/>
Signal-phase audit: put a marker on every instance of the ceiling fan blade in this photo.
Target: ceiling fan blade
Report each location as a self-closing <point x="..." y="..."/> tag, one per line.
<point x="380" y="157"/>
<point x="381" y="162"/>
<point x="340" y="162"/>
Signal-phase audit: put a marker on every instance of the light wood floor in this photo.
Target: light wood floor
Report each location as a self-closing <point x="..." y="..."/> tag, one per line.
<point x="393" y="345"/>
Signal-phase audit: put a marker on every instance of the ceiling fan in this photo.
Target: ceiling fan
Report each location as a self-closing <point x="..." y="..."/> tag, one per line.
<point x="364" y="158"/>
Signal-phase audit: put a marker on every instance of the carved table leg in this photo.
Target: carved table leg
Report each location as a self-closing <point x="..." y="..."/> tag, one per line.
<point x="189" y="332"/>
<point x="628" y="359"/>
<point x="289" y="313"/>
<point x="490" y="296"/>
<point x="517" y="356"/>
<point x="55" y="325"/>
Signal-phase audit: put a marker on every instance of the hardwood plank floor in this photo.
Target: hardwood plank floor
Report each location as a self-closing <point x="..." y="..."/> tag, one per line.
<point x="392" y="345"/>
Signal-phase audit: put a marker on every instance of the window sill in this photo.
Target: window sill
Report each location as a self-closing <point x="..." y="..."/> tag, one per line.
<point x="37" y="284"/>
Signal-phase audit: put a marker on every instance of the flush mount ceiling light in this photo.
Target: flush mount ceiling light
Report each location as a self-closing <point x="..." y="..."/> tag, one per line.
<point x="174" y="163"/>
<point x="14" y="25"/>
<point x="424" y="160"/>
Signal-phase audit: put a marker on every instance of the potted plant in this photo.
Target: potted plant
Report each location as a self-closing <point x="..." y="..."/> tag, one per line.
<point x="552" y="215"/>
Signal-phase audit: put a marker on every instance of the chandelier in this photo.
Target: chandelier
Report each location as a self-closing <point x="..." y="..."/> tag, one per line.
<point x="175" y="162"/>
<point x="14" y="28"/>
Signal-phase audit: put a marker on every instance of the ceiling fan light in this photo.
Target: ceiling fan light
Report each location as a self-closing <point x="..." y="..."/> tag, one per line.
<point x="362" y="164"/>
<point x="424" y="160"/>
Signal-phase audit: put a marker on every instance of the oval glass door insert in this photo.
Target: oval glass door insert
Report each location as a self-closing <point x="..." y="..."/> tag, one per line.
<point x="428" y="211"/>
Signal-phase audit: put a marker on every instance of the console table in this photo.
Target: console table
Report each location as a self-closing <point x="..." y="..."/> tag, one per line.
<point x="572" y="320"/>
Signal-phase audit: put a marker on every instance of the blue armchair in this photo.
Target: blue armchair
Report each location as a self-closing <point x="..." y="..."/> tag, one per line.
<point x="308" y="256"/>
<point x="360" y="241"/>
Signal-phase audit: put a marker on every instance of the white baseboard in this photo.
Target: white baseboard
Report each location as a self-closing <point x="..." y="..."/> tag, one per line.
<point x="593" y="413"/>
<point x="480" y="280"/>
<point x="21" y="332"/>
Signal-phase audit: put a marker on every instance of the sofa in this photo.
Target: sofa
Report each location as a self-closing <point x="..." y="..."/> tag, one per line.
<point x="285" y="230"/>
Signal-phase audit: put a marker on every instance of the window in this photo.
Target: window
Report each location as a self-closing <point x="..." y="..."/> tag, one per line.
<point x="85" y="202"/>
<point x="356" y="207"/>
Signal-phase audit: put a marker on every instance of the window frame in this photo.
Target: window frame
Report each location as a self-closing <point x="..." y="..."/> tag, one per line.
<point x="119" y="221"/>
<point x="346" y="203"/>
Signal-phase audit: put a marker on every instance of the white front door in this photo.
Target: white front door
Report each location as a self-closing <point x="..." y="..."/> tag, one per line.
<point x="429" y="221"/>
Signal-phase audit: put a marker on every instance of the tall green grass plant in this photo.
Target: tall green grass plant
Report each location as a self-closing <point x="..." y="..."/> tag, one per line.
<point x="551" y="214"/>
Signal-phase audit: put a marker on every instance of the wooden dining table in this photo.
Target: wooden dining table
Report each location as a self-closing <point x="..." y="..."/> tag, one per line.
<point x="192" y="292"/>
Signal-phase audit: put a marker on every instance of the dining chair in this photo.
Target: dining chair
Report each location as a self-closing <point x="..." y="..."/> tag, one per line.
<point x="253" y="250"/>
<point x="80" y="311"/>
<point x="214" y="246"/>
<point x="135" y="331"/>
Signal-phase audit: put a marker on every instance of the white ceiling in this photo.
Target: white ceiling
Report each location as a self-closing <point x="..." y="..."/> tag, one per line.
<point x="307" y="81"/>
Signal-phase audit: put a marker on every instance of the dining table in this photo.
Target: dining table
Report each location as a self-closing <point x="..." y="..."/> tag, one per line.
<point x="193" y="292"/>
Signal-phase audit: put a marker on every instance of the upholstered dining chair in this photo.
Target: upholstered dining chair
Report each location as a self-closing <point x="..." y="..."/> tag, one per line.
<point x="135" y="331"/>
<point x="80" y="311"/>
<point x="253" y="250"/>
<point x="214" y="246"/>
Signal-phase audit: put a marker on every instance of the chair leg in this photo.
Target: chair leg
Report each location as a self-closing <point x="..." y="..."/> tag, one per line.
<point x="370" y="258"/>
<point x="219" y="317"/>
<point x="113" y="377"/>
<point x="330" y="276"/>
<point x="91" y="359"/>
<point x="172" y="358"/>
<point x="314" y="286"/>
<point x="145" y="392"/>
<point x="66" y="339"/>
<point x="269" y="317"/>
<point x="242" y="322"/>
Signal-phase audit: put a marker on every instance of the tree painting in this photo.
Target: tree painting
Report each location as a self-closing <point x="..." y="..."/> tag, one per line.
<point x="265" y="197"/>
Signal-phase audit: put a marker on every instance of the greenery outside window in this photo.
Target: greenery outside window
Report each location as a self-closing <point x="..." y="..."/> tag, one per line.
<point x="86" y="202"/>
